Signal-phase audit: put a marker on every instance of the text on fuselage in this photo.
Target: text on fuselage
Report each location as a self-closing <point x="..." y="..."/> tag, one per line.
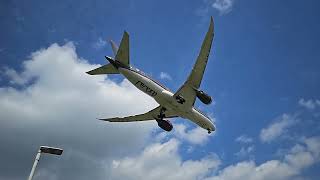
<point x="145" y="88"/>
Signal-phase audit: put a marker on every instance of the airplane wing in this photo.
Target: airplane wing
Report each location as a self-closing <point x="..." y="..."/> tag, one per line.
<point x="151" y="115"/>
<point x="187" y="90"/>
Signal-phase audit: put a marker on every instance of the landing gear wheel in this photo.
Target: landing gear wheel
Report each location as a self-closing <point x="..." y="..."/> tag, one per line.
<point x="209" y="132"/>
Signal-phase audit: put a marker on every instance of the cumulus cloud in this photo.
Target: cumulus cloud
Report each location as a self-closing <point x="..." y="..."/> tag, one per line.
<point x="56" y="104"/>
<point x="195" y="136"/>
<point x="162" y="161"/>
<point x="309" y="104"/>
<point x="278" y="128"/>
<point x="223" y="6"/>
<point x="164" y="75"/>
<point x="14" y="77"/>
<point x="300" y="157"/>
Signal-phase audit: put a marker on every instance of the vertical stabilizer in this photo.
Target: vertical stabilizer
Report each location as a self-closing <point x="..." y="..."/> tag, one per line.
<point x="123" y="51"/>
<point x="114" y="47"/>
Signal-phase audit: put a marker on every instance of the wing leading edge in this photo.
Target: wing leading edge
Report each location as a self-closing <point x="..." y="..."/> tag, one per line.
<point x="150" y="115"/>
<point x="187" y="90"/>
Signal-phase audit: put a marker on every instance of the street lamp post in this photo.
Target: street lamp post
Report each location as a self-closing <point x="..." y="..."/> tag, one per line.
<point x="47" y="150"/>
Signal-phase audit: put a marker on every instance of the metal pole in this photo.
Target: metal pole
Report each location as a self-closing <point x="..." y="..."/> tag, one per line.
<point x="35" y="164"/>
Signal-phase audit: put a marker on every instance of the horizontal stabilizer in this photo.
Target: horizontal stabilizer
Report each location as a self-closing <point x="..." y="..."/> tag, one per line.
<point x="106" y="69"/>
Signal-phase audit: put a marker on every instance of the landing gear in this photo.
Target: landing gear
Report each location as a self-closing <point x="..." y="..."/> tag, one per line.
<point x="209" y="131"/>
<point x="163" y="124"/>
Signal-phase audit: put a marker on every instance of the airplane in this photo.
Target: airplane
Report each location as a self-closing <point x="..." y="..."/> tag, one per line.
<point x="171" y="105"/>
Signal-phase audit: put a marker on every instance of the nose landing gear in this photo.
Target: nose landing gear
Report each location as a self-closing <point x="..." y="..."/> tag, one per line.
<point x="209" y="131"/>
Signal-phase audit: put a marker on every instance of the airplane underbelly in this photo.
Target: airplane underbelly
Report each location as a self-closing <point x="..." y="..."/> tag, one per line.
<point x="199" y="119"/>
<point x="142" y="83"/>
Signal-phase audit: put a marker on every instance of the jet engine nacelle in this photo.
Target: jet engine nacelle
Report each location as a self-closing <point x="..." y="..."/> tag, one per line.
<point x="205" y="98"/>
<point x="165" y="124"/>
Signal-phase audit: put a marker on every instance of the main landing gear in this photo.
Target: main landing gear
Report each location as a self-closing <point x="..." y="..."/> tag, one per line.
<point x="163" y="124"/>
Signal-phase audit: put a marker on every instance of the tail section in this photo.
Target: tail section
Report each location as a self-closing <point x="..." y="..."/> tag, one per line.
<point x="121" y="58"/>
<point x="114" y="47"/>
<point x="123" y="52"/>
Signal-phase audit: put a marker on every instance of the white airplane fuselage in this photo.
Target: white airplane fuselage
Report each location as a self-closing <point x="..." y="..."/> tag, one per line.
<point x="165" y="97"/>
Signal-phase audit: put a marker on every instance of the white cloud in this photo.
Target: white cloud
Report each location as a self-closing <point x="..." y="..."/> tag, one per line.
<point x="277" y="128"/>
<point x="244" y="139"/>
<point x="100" y="43"/>
<point x="162" y="161"/>
<point x="14" y="77"/>
<point x="194" y="136"/>
<point x="245" y="151"/>
<point x="309" y="104"/>
<point x="57" y="105"/>
<point x="223" y="6"/>
<point x="290" y="167"/>
<point x="164" y="75"/>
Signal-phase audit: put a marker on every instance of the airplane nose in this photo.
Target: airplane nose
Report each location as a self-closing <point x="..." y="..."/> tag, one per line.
<point x="211" y="128"/>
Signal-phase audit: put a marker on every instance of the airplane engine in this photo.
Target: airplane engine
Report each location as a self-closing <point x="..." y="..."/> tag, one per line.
<point x="165" y="125"/>
<point x="205" y="98"/>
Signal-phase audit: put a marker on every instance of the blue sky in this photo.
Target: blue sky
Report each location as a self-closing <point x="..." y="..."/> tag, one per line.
<point x="263" y="74"/>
